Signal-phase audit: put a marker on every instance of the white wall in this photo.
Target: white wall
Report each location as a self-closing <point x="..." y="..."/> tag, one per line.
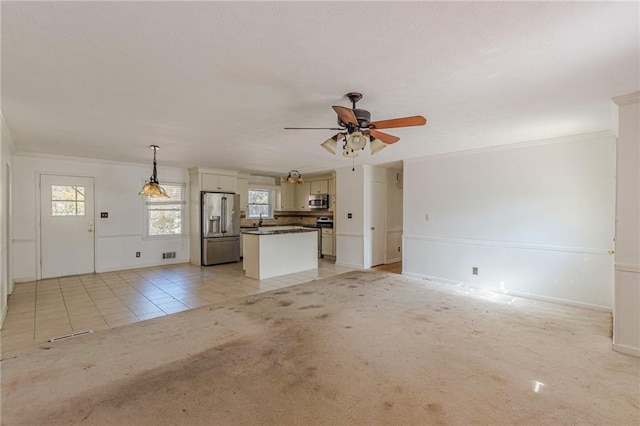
<point x="394" y="216"/>
<point x="536" y="219"/>
<point x="6" y="280"/>
<point x="116" y="192"/>
<point x="354" y="195"/>
<point x="349" y="231"/>
<point x="626" y="314"/>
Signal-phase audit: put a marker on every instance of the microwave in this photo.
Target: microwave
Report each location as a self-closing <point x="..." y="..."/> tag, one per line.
<point x="319" y="201"/>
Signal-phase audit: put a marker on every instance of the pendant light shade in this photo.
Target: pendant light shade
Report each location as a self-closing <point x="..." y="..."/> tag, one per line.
<point x="153" y="188"/>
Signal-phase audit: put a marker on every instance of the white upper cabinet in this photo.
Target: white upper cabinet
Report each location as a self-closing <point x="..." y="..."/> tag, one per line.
<point x="211" y="182"/>
<point x="243" y="190"/>
<point x="319" y="187"/>
<point x="287" y="195"/>
<point x="302" y="196"/>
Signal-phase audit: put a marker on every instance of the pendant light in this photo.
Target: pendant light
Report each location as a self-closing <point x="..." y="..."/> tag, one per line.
<point x="153" y="188"/>
<point x="294" y="177"/>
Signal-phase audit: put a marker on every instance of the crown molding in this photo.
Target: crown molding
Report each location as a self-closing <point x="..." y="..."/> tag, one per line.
<point x="516" y="145"/>
<point x="631" y="98"/>
<point x="44" y="156"/>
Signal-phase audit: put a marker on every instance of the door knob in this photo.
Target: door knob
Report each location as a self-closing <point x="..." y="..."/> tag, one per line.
<point x="373" y="228"/>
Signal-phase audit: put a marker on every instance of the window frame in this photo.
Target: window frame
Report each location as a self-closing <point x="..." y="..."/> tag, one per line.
<point x="149" y="201"/>
<point x="271" y="196"/>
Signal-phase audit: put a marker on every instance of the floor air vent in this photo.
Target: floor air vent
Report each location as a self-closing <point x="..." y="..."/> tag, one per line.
<point x="169" y="255"/>
<point x="69" y="336"/>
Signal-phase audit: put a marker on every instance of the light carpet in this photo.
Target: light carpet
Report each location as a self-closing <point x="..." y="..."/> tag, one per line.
<point x="363" y="347"/>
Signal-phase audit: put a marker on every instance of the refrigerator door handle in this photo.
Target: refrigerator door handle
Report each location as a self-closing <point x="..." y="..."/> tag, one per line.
<point x="223" y="215"/>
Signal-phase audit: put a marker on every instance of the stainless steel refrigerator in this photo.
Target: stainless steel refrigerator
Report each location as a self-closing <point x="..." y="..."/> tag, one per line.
<point x="220" y="228"/>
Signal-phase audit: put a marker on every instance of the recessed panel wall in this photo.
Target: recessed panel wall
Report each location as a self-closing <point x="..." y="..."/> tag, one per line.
<point x="532" y="219"/>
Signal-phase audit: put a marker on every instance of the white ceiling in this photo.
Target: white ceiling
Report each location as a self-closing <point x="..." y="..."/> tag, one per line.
<point x="215" y="83"/>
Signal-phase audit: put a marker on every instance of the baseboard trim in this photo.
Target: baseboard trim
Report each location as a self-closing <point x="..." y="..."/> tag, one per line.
<point x="23" y="280"/>
<point x="142" y="265"/>
<point x="549" y="299"/>
<point x="4" y="315"/>
<point x="350" y="265"/>
<point x="431" y="278"/>
<point x="625" y="349"/>
<point x="394" y="260"/>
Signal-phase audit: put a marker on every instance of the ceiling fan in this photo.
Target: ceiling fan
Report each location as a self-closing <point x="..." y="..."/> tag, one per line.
<point x="356" y="128"/>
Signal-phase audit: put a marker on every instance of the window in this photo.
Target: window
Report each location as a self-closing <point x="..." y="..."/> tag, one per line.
<point x="165" y="216"/>
<point x="259" y="203"/>
<point x="67" y="200"/>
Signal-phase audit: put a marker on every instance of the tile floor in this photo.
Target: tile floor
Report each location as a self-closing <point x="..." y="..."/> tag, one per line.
<point x="41" y="310"/>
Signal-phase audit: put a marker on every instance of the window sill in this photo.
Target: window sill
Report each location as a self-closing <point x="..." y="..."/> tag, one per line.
<point x="164" y="237"/>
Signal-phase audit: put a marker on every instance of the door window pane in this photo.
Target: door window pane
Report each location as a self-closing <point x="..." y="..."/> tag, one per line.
<point x="67" y="200"/>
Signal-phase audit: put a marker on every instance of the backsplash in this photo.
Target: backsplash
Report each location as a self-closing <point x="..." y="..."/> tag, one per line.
<point x="287" y="218"/>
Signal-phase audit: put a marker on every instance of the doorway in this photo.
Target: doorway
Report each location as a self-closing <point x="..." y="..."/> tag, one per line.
<point x="378" y="223"/>
<point x="67" y="243"/>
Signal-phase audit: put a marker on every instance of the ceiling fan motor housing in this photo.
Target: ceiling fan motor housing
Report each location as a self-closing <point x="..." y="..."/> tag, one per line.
<point x="363" y="117"/>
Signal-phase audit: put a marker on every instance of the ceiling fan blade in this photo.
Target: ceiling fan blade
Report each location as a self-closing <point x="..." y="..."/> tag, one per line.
<point x="416" y="120"/>
<point x="346" y="115"/>
<point x="313" y="128"/>
<point x="384" y="137"/>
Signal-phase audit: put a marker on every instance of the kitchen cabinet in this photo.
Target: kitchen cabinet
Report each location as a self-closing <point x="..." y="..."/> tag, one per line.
<point x="302" y="195"/>
<point x="327" y="242"/>
<point x="211" y="182"/>
<point x="319" y="187"/>
<point x="287" y="195"/>
<point x="243" y="190"/>
<point x="332" y="195"/>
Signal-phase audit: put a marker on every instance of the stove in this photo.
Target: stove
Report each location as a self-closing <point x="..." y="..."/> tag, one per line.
<point x="324" y="222"/>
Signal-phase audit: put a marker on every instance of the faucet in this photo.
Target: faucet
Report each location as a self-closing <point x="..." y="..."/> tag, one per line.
<point x="260" y="221"/>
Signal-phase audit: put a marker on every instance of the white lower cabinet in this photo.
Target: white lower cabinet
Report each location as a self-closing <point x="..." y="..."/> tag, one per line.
<point x="327" y="241"/>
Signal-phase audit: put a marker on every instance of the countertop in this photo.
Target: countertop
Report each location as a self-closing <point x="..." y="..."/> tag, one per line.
<point x="263" y="231"/>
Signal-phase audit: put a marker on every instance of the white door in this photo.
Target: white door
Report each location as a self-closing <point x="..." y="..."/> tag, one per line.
<point x="66" y="226"/>
<point x="378" y="229"/>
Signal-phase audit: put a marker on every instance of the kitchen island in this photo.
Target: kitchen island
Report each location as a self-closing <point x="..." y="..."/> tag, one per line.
<point x="279" y="251"/>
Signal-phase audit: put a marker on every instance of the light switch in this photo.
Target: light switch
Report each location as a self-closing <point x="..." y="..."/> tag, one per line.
<point x="426" y="217"/>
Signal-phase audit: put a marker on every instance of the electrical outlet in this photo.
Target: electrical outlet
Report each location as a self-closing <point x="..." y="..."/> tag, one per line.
<point x="137" y="254"/>
<point x="474" y="270"/>
<point x="398" y="248"/>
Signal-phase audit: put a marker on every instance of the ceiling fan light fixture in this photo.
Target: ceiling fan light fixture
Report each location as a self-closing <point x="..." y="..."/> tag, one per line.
<point x="376" y="145"/>
<point x="331" y="144"/>
<point x="153" y="188"/>
<point x="356" y="140"/>
<point x="349" y="153"/>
